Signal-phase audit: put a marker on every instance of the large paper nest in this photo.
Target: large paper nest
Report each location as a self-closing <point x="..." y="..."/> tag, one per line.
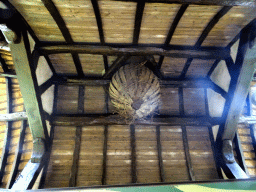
<point x="134" y="91"/>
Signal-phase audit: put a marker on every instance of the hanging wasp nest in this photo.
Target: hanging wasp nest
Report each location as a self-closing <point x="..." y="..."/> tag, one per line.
<point x="134" y="91"/>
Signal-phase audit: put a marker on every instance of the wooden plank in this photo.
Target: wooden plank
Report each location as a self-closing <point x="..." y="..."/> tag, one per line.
<point x="74" y="120"/>
<point x="13" y="116"/>
<point x="170" y="51"/>
<point x="8" y="129"/>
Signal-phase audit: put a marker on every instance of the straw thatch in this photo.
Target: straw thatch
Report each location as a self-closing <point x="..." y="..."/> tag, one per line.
<point x="134" y="91"/>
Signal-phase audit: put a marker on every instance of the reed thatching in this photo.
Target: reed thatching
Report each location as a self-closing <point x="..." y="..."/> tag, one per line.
<point x="134" y="91"/>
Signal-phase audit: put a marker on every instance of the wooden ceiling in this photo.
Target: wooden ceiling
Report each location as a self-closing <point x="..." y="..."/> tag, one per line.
<point x="134" y="23"/>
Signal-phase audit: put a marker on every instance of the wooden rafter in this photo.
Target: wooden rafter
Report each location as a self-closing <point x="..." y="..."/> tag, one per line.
<point x="174" y="25"/>
<point x="137" y="23"/>
<point x="65" y="32"/>
<point x="100" y="29"/>
<point x="203" y="36"/>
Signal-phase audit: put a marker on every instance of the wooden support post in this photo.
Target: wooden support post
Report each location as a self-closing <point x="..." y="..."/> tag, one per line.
<point x="8" y="130"/>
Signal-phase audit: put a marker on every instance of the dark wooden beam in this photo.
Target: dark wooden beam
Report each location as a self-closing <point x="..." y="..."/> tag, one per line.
<point x="138" y="19"/>
<point x="23" y="23"/>
<point x="18" y="153"/>
<point x="172" y="30"/>
<point x="64" y="30"/>
<point x="117" y="64"/>
<point x="185" y="69"/>
<point x="98" y="20"/>
<point x="159" y="151"/>
<point x="104" y="164"/>
<point x="247" y="3"/>
<point x="133" y="155"/>
<point x="50" y="64"/>
<point x="84" y="120"/>
<point x="4" y="65"/>
<point x="187" y="154"/>
<point x="203" y="36"/>
<point x="46" y="85"/>
<point x="214" y="65"/>
<point x="139" y="50"/>
<point x="42" y="180"/>
<point x="97" y="81"/>
<point x="76" y="153"/>
<point x="211" y="24"/>
<point x="185" y="138"/>
<point x="8" y="129"/>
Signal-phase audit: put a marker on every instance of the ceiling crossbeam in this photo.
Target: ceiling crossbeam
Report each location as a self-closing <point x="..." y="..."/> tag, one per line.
<point x="140" y="50"/>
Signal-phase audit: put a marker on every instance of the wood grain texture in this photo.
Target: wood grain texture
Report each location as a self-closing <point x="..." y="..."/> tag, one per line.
<point x="67" y="99"/>
<point x="41" y="23"/>
<point x="156" y="21"/>
<point x="118" y="20"/>
<point x="92" y="64"/>
<point x="229" y="26"/>
<point x="193" y="23"/>
<point x="63" y="63"/>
